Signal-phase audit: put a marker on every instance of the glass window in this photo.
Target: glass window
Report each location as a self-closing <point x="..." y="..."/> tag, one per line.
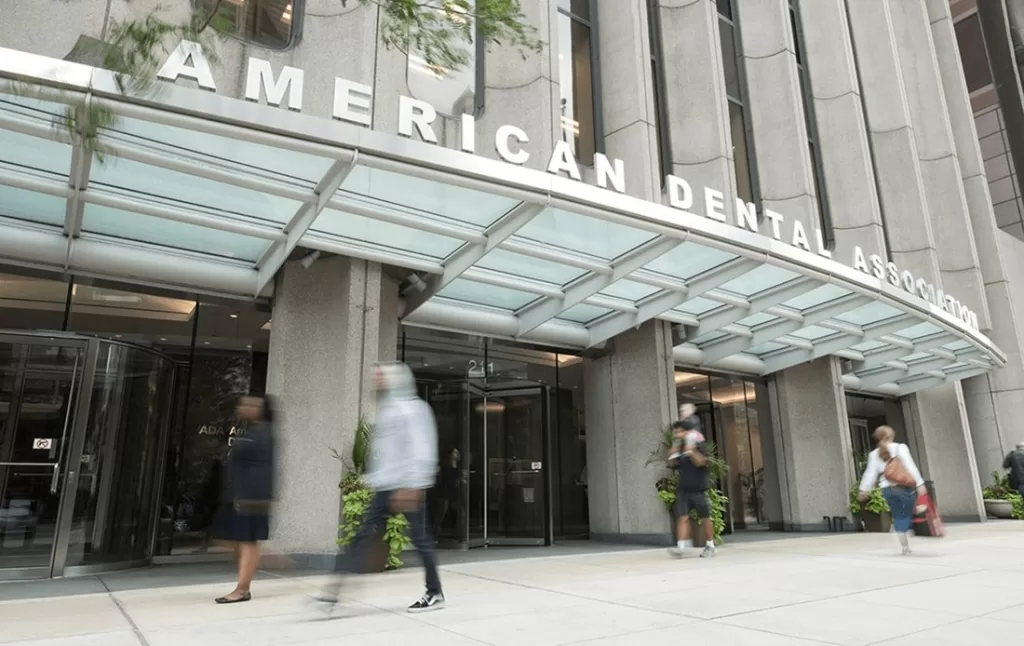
<point x="661" y="121"/>
<point x="451" y="92"/>
<point x="227" y="361"/>
<point x="742" y="143"/>
<point x="577" y="81"/>
<point x="28" y="303"/>
<point x="267" y="23"/>
<point x="824" y="217"/>
<point x="973" y="55"/>
<point x="740" y="153"/>
<point x="161" y="322"/>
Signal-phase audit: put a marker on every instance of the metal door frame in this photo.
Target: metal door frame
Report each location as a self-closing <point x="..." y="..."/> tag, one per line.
<point x="81" y="385"/>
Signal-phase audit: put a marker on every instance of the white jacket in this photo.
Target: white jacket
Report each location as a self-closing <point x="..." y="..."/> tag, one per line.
<point x="876" y="465"/>
<point x="403" y="451"/>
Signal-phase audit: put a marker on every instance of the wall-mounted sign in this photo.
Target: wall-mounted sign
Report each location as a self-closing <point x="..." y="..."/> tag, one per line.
<point x="353" y="102"/>
<point x="42" y="444"/>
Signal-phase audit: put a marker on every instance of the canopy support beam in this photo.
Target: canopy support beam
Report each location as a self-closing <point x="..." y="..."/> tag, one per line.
<point x="471" y="253"/>
<point x="304" y="217"/>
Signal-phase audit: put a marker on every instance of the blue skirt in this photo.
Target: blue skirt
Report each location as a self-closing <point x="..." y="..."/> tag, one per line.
<point x="901" y="502"/>
<point x="229" y="525"/>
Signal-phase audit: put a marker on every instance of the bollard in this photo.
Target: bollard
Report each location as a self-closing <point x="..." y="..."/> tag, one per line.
<point x="839" y="522"/>
<point x="828" y="523"/>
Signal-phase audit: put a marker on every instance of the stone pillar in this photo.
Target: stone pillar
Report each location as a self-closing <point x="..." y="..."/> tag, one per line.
<point x="847" y="166"/>
<point x="390" y="325"/>
<point x="809" y="445"/>
<point x="945" y="453"/>
<point x="323" y="343"/>
<point x="695" y="97"/>
<point x="992" y="400"/>
<point x="630" y="398"/>
<point x="525" y="92"/>
<point x="627" y="99"/>
<point x="890" y="131"/>
<point x="784" y="166"/>
<point x="940" y="167"/>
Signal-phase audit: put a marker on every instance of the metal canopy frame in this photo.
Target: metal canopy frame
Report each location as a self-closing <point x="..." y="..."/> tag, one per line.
<point x="214" y="194"/>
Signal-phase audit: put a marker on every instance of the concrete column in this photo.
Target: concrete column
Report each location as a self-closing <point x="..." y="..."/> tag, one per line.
<point x="389" y="326"/>
<point x="630" y="398"/>
<point x="627" y="99"/>
<point x="525" y="92"/>
<point x="940" y="167"/>
<point x="776" y="110"/>
<point x="808" y="444"/>
<point x="939" y="436"/>
<point x="847" y="166"/>
<point x="993" y="399"/>
<point x="890" y="131"/>
<point x="323" y="342"/>
<point x="695" y="98"/>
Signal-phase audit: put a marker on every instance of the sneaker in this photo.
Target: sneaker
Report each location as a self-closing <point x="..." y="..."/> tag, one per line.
<point x="675" y="552"/>
<point x="709" y="551"/>
<point x="907" y="551"/>
<point x="427" y="603"/>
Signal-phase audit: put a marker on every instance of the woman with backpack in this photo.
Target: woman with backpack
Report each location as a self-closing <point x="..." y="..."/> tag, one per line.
<point x="892" y="467"/>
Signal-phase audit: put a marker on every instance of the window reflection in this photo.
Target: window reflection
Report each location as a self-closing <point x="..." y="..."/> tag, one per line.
<point x="727" y="407"/>
<point x="865" y="415"/>
<point x="736" y="97"/>
<point x="28" y="303"/>
<point x="576" y="80"/>
<point x="267" y="23"/>
<point x="451" y="92"/>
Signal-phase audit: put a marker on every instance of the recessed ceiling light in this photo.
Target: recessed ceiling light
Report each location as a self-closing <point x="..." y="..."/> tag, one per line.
<point x="206" y="343"/>
<point x="117" y="336"/>
<point x="234" y="315"/>
<point x="249" y="346"/>
<point x="163" y="338"/>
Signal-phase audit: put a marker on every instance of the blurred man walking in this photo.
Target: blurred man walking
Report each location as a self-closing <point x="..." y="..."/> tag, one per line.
<point x="402" y="466"/>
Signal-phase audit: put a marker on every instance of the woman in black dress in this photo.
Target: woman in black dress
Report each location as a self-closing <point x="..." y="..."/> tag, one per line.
<point x="248" y="488"/>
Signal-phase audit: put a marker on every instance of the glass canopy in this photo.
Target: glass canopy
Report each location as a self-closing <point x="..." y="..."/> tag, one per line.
<point x="187" y="189"/>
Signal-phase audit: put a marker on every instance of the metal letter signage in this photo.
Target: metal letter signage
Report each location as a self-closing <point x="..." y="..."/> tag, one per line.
<point x="353" y="102"/>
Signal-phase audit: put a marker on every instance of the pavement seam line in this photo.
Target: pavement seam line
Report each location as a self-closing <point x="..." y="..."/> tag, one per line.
<point x="131" y="622"/>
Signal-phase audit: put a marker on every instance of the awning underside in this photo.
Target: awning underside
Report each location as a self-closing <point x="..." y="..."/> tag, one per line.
<point x="188" y="203"/>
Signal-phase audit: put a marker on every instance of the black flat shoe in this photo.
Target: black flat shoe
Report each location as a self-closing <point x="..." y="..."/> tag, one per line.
<point x="242" y="599"/>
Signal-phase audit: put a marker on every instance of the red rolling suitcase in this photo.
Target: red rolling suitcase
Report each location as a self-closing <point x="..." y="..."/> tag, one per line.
<point x="927" y="521"/>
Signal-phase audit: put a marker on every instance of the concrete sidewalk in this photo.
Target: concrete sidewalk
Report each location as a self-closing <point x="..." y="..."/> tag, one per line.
<point x="843" y="589"/>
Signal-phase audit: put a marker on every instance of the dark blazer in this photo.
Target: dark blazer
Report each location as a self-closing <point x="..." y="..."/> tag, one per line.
<point x="251" y="465"/>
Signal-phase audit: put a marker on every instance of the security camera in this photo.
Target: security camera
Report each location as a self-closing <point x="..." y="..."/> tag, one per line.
<point x="308" y="260"/>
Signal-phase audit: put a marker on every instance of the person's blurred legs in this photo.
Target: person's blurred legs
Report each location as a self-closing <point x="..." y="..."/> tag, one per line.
<point x="434" y="597"/>
<point x="353" y="561"/>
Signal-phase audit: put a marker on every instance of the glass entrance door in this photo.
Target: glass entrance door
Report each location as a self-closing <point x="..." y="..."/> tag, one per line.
<point x="493" y="478"/>
<point x="83" y="427"/>
<point x="40" y="384"/>
<point x="517" y="488"/>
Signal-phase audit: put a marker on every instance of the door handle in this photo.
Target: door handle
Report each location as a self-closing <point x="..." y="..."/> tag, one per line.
<point x="55" y="481"/>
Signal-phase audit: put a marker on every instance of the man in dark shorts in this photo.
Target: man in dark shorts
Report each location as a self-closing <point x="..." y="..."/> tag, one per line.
<point x="689" y="457"/>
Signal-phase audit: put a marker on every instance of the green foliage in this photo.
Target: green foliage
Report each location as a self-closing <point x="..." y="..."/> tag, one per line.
<point x="667" y="485"/>
<point x="443" y="31"/>
<point x="875" y="503"/>
<point x="361" y="445"/>
<point x="355" y="504"/>
<point x="396" y="535"/>
<point x="719" y="504"/>
<point x="1001" y="490"/>
<point x="356" y="498"/>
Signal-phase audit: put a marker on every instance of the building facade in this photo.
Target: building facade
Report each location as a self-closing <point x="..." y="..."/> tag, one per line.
<point x="778" y="210"/>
